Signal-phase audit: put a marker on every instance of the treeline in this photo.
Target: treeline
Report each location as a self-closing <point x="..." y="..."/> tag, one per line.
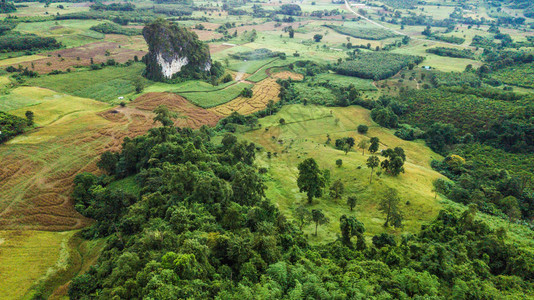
<point x="113" y="28"/>
<point x="15" y="41"/>
<point x="448" y="39"/>
<point x="197" y="225"/>
<point x="290" y="10"/>
<point x="120" y="17"/>
<point x="377" y="66"/>
<point x="452" y="52"/>
<point x="113" y="6"/>
<point x="7" y="26"/>
<point x="7" y="7"/>
<point x="363" y="33"/>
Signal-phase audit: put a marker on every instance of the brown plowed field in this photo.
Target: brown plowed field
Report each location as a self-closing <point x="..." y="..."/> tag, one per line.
<point x="189" y="115"/>
<point x="81" y="56"/>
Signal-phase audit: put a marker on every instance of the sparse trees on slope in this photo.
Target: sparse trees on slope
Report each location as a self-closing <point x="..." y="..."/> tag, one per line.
<point x="375" y="143"/>
<point x="363" y="144"/>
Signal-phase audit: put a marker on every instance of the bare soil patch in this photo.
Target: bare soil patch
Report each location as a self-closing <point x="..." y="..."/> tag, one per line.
<point x="81" y="56"/>
<point x="189" y="115"/>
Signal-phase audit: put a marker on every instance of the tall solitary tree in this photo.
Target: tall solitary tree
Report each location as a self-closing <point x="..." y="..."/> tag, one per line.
<point x="349" y="143"/>
<point x="351" y="202"/>
<point x="311" y="180"/>
<point x="372" y="162"/>
<point x="317" y="38"/>
<point x="336" y="189"/>
<point x="394" y="162"/>
<point x="29" y="117"/>
<point x="319" y="218"/>
<point x="363" y="144"/>
<point x="302" y="216"/>
<point x="164" y="116"/>
<point x="389" y="205"/>
<point x="139" y="85"/>
<point x="375" y="143"/>
<point x="350" y="227"/>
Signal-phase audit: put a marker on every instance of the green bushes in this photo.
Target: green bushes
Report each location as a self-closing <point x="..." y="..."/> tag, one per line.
<point x="448" y="39"/>
<point x="14" y="41"/>
<point x="365" y="33"/>
<point x="385" y="117"/>
<point x="10" y="126"/>
<point x="7" y="26"/>
<point x="246" y="92"/>
<point x="7" y="7"/>
<point x="376" y="66"/>
<point x="115" y="29"/>
<point x="456" y="79"/>
<point x="113" y="6"/>
<point x="520" y="75"/>
<point x="452" y="52"/>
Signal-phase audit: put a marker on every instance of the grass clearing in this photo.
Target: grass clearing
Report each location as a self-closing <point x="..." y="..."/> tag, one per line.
<point x="249" y="66"/>
<point x="304" y="135"/>
<point x="186" y="86"/>
<point x="105" y="85"/>
<point x="71" y="33"/>
<point x="48" y="106"/>
<point x="442" y="63"/>
<point x="127" y="185"/>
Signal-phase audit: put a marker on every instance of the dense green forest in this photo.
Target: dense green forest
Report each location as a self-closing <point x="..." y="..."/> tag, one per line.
<point x="197" y="225"/>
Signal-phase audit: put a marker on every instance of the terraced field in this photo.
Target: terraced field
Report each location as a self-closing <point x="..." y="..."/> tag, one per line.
<point x="263" y="92"/>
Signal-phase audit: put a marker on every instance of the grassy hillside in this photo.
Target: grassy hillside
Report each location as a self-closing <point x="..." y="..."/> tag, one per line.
<point x="47" y="106"/>
<point x="304" y="135"/>
<point x="26" y="257"/>
<point x="106" y="84"/>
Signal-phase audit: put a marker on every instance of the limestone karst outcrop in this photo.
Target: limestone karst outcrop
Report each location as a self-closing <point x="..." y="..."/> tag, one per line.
<point x="174" y="51"/>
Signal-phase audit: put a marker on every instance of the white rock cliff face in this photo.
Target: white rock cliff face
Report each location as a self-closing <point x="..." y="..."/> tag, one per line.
<point x="174" y="66"/>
